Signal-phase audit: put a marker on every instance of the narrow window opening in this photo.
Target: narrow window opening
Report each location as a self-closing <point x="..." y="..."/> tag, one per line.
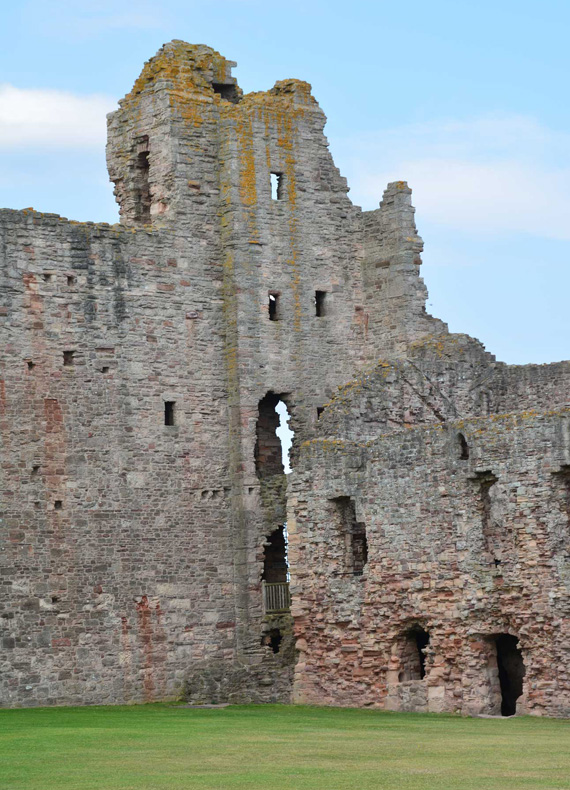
<point x="70" y="280"/>
<point x="563" y="477"/>
<point x="486" y="481"/>
<point x="354" y="533"/>
<point x="463" y="447"/>
<point x="275" y="565"/>
<point x="47" y="277"/>
<point x="68" y="358"/>
<point x="31" y="365"/>
<point x="227" y="92"/>
<point x="276" y="186"/>
<point x="54" y="599"/>
<point x="169" y="412"/>
<point x="320" y="303"/>
<point x="511" y="670"/>
<point x="142" y="183"/>
<point x="58" y="504"/>
<point x="35" y="470"/>
<point x="105" y="369"/>
<point x="273" y="306"/>
<point x="413" y="655"/>
<point x="273" y="437"/>
<point x="272" y="639"/>
<point x="320" y="410"/>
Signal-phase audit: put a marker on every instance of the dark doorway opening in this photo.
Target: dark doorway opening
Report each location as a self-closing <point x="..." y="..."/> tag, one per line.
<point x="511" y="672"/>
<point x="413" y="658"/>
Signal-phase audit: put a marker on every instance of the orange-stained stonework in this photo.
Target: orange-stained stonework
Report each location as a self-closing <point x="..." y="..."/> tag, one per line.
<point x="143" y="499"/>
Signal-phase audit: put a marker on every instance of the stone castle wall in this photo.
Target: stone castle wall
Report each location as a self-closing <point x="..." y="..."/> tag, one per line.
<point x="466" y="516"/>
<point x="141" y="483"/>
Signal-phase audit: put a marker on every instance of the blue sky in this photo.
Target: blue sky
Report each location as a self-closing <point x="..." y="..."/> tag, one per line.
<point x="465" y="101"/>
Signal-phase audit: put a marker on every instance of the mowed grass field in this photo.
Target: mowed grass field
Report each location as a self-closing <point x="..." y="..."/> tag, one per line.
<point x="275" y="747"/>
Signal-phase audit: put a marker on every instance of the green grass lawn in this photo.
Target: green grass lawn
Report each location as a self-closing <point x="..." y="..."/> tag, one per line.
<point x="276" y="748"/>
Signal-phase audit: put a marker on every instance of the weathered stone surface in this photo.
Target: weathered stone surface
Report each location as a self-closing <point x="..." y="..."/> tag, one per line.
<point x="141" y="481"/>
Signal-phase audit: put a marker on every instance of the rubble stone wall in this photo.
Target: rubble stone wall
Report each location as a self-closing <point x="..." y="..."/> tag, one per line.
<point x="439" y="559"/>
<point x="137" y="363"/>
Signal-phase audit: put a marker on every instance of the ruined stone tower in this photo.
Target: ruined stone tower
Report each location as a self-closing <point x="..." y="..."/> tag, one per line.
<point x="143" y="493"/>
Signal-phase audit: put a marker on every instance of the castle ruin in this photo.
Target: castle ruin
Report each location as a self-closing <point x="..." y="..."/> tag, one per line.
<point x="150" y="538"/>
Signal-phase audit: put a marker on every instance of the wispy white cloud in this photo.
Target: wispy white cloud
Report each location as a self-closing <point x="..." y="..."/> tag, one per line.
<point x="490" y="175"/>
<point x="85" y="20"/>
<point x="51" y="118"/>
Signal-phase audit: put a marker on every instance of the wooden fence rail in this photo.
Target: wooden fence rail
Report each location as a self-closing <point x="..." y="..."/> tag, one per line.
<point x="276" y="597"/>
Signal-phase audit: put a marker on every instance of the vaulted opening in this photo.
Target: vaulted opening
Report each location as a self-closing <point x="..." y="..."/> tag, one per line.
<point x="511" y="672"/>
<point x="413" y="654"/>
<point x="276" y="186"/>
<point x="354" y="535"/>
<point x="463" y="447"/>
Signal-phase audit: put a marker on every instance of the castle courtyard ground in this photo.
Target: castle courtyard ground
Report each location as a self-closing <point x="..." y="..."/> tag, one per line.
<point x="151" y="747"/>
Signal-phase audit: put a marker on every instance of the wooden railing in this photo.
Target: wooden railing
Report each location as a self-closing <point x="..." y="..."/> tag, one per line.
<point x="276" y="597"/>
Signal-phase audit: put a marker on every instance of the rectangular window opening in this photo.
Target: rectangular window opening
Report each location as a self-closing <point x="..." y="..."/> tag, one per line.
<point x="276" y="186"/>
<point x="141" y="182"/>
<point x="227" y="92"/>
<point x="70" y="280"/>
<point x="273" y="306"/>
<point x="354" y="533"/>
<point x="169" y="412"/>
<point x="68" y="358"/>
<point x="320" y="302"/>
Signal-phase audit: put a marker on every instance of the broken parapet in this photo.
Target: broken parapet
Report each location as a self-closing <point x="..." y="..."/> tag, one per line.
<point x="396" y="294"/>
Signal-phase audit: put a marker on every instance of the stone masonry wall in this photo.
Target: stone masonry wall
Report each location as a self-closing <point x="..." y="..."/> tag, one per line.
<point x="439" y="557"/>
<point x="138" y="363"/>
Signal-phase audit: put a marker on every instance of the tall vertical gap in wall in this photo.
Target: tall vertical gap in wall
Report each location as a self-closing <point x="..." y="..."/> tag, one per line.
<point x="486" y="481"/>
<point x="511" y="670"/>
<point x="563" y="478"/>
<point x="276" y="186"/>
<point x="353" y="534"/>
<point x="142" y="182"/>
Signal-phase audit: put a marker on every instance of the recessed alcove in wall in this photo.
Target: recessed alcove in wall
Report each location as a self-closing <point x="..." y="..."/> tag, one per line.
<point x="463" y="447"/>
<point x="352" y="533"/>
<point x="413" y="654"/>
<point x="226" y="92"/>
<point x="275" y="564"/>
<point x="141" y="179"/>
